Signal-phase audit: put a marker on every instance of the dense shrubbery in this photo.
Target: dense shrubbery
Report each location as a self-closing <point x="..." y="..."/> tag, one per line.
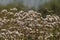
<point x="30" y="25"/>
<point x="16" y="24"/>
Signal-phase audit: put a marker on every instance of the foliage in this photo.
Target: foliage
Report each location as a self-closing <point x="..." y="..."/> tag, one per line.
<point x="52" y="5"/>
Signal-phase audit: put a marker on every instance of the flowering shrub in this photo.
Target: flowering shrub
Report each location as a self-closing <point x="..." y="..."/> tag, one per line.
<point x="28" y="25"/>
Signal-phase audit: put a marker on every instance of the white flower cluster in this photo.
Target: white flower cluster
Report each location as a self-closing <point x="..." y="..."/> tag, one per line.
<point x="28" y="25"/>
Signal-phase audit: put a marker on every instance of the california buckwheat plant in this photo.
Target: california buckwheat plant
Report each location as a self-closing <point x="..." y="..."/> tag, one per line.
<point x="21" y="25"/>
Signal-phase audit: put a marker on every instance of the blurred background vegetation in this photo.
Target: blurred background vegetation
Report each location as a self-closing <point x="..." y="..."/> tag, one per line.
<point x="52" y="7"/>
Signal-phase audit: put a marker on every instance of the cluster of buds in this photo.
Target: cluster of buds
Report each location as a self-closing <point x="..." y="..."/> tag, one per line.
<point x="20" y="25"/>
